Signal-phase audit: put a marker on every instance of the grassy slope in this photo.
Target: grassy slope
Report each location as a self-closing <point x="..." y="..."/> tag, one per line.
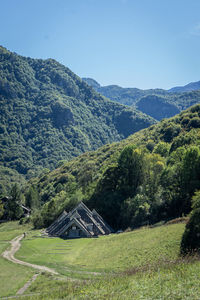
<point x="178" y="282"/>
<point x="149" y="256"/>
<point x="111" y="253"/>
<point x="12" y="276"/>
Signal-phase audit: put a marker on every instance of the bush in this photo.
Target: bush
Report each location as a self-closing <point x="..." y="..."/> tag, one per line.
<point x="37" y="220"/>
<point x="191" y="237"/>
<point x="194" y="123"/>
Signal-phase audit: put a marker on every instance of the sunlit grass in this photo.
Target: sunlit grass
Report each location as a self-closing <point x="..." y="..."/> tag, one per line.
<point x="172" y="281"/>
<point x="12" y="276"/>
<point x="142" y="264"/>
<point x="114" y="253"/>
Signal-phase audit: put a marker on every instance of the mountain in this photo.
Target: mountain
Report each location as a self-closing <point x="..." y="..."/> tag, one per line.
<point x="157" y="103"/>
<point x="148" y="177"/>
<point x="93" y="83"/>
<point x="193" y="86"/>
<point x="127" y="96"/>
<point x="49" y="114"/>
<point x="157" y="107"/>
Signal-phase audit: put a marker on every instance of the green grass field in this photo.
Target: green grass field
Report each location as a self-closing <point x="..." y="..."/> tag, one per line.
<point x="113" y="253"/>
<point x="142" y="264"/>
<point x="179" y="281"/>
<point x="12" y="276"/>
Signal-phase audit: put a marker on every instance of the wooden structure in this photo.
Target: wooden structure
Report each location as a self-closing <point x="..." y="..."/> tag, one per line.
<point x="80" y="222"/>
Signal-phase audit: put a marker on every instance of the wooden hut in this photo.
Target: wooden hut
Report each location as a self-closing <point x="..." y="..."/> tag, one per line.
<point x="80" y="222"/>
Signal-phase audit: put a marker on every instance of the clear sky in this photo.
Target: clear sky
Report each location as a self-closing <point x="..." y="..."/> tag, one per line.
<point x="131" y="43"/>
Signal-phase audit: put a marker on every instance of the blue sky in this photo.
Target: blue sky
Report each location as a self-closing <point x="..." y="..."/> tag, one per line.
<point x="131" y="43"/>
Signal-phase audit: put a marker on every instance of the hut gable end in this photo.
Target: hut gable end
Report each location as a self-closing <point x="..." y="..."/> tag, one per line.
<point x="79" y="222"/>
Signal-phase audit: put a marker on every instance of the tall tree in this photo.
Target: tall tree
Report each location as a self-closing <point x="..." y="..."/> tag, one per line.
<point x="13" y="210"/>
<point x="1" y="209"/>
<point x="32" y="198"/>
<point x="131" y="168"/>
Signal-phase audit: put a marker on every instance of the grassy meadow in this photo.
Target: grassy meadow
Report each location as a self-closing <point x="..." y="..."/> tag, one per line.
<point x="107" y="254"/>
<point x="141" y="264"/>
<point x="12" y="276"/>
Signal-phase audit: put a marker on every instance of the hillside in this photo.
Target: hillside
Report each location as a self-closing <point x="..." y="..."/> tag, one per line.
<point x="156" y="103"/>
<point x="49" y="114"/>
<point x="127" y="96"/>
<point x="157" y="107"/>
<point x="148" y="177"/>
<point x="192" y="86"/>
<point x="144" y="263"/>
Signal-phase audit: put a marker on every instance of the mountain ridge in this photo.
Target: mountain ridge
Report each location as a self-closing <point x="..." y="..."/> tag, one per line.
<point x="192" y="86"/>
<point x="166" y="102"/>
<point x="49" y="114"/>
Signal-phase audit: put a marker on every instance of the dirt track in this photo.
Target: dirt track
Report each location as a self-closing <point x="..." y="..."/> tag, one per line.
<point x="15" y="245"/>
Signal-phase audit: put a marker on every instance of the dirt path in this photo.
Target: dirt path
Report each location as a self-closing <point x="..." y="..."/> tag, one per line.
<point x="15" y="245"/>
<point x="9" y="255"/>
<point x="27" y="284"/>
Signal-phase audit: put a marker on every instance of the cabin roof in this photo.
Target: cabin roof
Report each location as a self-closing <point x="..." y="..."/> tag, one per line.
<point x="90" y="222"/>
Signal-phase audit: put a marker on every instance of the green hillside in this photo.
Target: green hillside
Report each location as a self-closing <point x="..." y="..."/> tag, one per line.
<point x="156" y="103"/>
<point x="144" y="263"/>
<point x="192" y="86"/>
<point x="108" y="254"/>
<point x="127" y="96"/>
<point x="49" y="114"/>
<point x="157" y="107"/>
<point x="148" y="177"/>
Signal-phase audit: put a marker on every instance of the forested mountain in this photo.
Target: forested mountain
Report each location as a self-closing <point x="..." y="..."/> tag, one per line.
<point x="127" y="96"/>
<point x="157" y="103"/>
<point x="157" y="107"/>
<point x="48" y="114"/>
<point x="192" y="86"/>
<point x="148" y="177"/>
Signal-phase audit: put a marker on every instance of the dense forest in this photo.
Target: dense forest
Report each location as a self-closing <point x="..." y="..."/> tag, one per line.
<point x="48" y="114"/>
<point x="149" y="177"/>
<point x="156" y="103"/>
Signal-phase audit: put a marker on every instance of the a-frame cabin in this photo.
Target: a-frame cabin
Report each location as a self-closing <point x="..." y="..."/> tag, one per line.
<point x="80" y="222"/>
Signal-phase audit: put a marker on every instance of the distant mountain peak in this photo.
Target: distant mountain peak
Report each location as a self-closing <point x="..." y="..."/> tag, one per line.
<point x="91" y="82"/>
<point x="192" y="86"/>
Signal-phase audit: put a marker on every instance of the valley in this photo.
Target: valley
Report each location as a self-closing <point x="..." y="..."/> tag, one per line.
<point x="63" y="143"/>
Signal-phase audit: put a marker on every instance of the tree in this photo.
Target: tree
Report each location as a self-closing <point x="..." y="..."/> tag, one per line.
<point x="13" y="210"/>
<point x="191" y="237"/>
<point x="131" y="168"/>
<point x="162" y="148"/>
<point x="1" y="209"/>
<point x="190" y="176"/>
<point x="32" y="198"/>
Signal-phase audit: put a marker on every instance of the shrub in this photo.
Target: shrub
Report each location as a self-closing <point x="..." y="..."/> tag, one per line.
<point x="191" y="237"/>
